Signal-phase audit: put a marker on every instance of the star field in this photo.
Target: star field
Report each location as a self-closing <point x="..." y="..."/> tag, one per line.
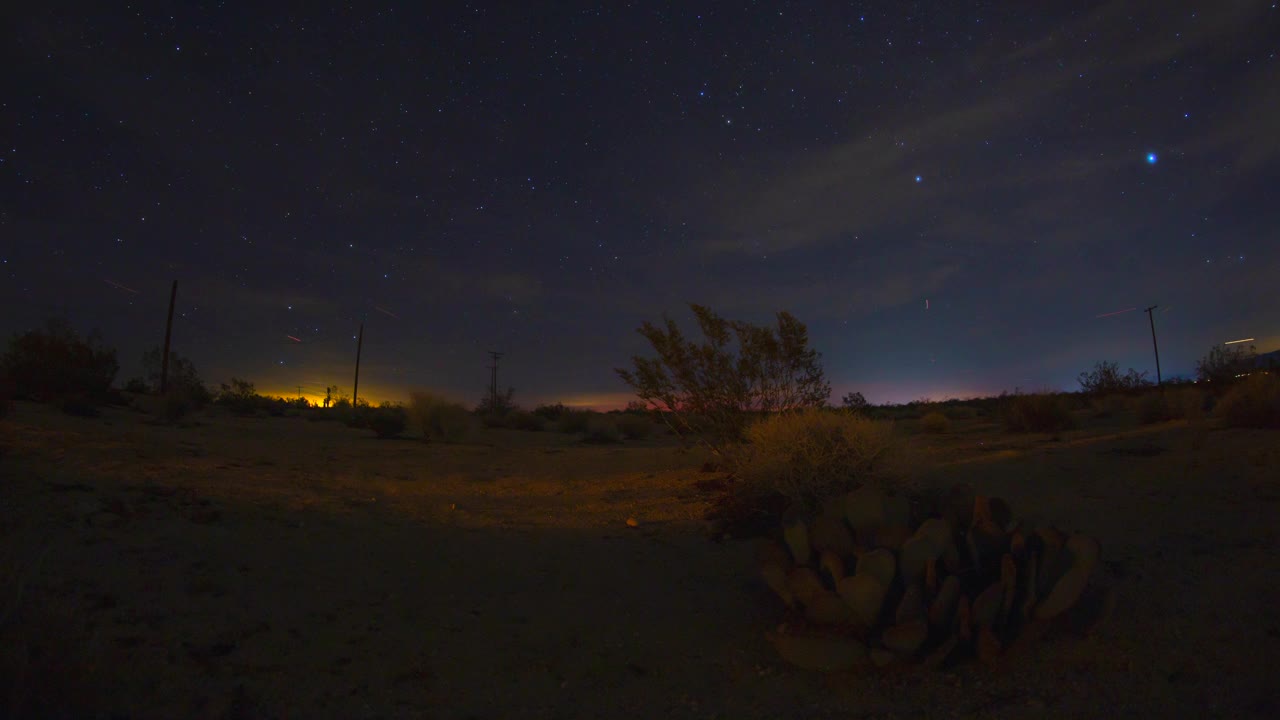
<point x="948" y="194"/>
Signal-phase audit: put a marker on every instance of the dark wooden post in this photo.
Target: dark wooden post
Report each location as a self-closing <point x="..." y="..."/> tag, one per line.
<point x="168" y="333"/>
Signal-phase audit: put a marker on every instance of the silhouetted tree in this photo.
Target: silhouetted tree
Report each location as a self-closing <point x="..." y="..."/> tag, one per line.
<point x="708" y="392"/>
<point x="1225" y="363"/>
<point x="58" y="363"/>
<point x="854" y="401"/>
<point x="1106" y="378"/>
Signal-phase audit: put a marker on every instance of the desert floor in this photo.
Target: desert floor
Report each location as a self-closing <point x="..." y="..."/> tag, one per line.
<point x="276" y="567"/>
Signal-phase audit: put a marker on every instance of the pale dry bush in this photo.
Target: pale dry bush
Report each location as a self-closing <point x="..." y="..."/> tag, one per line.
<point x="935" y="423"/>
<point x="440" y="418"/>
<point x="1171" y="404"/>
<point x="1255" y="402"/>
<point x="811" y="455"/>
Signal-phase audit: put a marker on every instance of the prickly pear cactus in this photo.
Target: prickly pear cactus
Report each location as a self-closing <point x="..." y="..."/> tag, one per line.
<point x="875" y="581"/>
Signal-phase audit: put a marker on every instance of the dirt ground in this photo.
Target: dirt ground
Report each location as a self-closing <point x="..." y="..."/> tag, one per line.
<point x="264" y="568"/>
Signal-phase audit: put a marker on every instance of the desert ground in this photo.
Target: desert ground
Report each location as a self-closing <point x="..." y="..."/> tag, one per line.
<point x="278" y="568"/>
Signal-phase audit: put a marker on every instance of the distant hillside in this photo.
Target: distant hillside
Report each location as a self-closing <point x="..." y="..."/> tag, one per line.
<point x="1269" y="359"/>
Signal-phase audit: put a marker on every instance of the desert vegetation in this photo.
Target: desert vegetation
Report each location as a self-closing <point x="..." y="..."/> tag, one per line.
<point x="237" y="502"/>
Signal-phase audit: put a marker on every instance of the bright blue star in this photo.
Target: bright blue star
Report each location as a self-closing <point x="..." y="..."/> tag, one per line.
<point x="1151" y="158"/>
<point x="919" y="179"/>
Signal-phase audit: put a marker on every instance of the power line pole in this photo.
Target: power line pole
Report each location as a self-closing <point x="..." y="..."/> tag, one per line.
<point x="299" y="390"/>
<point x="493" y="379"/>
<point x="355" y="390"/>
<point x="168" y="333"/>
<point x="1152" y="318"/>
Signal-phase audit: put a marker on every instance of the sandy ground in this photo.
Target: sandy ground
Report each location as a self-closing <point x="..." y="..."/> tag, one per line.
<point x="250" y="568"/>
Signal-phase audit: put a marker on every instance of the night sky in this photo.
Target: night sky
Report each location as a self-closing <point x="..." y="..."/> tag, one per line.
<point x="957" y="198"/>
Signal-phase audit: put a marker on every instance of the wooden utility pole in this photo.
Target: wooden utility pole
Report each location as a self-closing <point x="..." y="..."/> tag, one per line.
<point x="168" y="333"/>
<point x="1152" y="318"/>
<point x="355" y="390"/>
<point x="493" y="380"/>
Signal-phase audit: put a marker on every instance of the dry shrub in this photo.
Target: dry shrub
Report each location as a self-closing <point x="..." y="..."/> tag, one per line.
<point x="635" y="427"/>
<point x="1152" y="408"/>
<point x="1170" y="404"/>
<point x="935" y="423"/>
<point x="1187" y="403"/>
<point x="811" y="455"/>
<point x="574" y="421"/>
<point x="439" y="418"/>
<point x="602" y="430"/>
<point x="388" y="420"/>
<point x="1108" y="405"/>
<point x="1254" y="402"/>
<point x="521" y="420"/>
<point x="6" y="396"/>
<point x="1040" y="412"/>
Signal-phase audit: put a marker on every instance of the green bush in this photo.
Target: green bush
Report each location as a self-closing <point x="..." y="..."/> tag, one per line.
<point x="53" y="363"/>
<point x="388" y="420"/>
<point x="1040" y="412"/>
<point x="574" y="421"/>
<point x="634" y="427"/>
<point x="1253" y="402"/>
<point x="439" y="418"/>
<point x="935" y="423"/>
<point x="812" y="455"/>
<point x="602" y="430"/>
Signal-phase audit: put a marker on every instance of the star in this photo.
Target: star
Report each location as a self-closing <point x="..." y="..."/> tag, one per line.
<point x="1151" y="158"/>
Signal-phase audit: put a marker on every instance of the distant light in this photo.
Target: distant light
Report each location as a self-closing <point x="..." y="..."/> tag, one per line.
<point x="919" y="179"/>
<point x="1233" y="342"/>
<point x="1151" y="158"/>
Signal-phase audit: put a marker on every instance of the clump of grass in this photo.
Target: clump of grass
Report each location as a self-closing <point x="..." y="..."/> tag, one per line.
<point x="935" y="423"/>
<point x="1253" y="402"/>
<point x="439" y="418"/>
<point x="811" y="455"/>
<point x="602" y="430"/>
<point x="634" y="427"/>
<point x="1039" y="412"/>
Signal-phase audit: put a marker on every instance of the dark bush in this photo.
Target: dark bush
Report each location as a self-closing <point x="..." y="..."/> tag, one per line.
<point x="602" y="430"/>
<point x="53" y="363"/>
<point x="574" y="421"/>
<point x="6" y="396"/>
<point x="634" y="427"/>
<point x="551" y="412"/>
<point x="78" y="405"/>
<point x="388" y="421"/>
<point x="1041" y="412"/>
<point x="520" y="420"/>
<point x="1106" y="378"/>
<point x="1254" y="403"/>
